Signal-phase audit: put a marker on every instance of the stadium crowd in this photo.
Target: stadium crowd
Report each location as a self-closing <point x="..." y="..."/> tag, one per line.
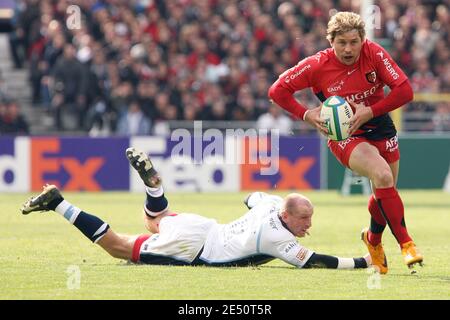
<point x="11" y="119"/>
<point x="131" y="64"/>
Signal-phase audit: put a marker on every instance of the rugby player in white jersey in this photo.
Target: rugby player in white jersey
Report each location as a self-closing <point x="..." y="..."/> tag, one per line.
<point x="269" y="230"/>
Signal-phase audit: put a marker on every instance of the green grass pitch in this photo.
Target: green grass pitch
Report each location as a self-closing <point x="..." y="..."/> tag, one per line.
<point x="39" y="252"/>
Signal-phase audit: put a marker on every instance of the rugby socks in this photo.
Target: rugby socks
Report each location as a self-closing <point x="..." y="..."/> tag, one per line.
<point x="391" y="206"/>
<point x="377" y="222"/>
<point x="91" y="226"/>
<point x="351" y="263"/>
<point x="155" y="203"/>
<point x="318" y="260"/>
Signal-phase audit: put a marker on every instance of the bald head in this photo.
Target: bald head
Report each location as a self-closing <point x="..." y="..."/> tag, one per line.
<point x="295" y="202"/>
<point x="296" y="212"/>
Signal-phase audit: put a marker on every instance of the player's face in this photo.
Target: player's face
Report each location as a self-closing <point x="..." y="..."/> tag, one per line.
<point x="347" y="47"/>
<point x="299" y="223"/>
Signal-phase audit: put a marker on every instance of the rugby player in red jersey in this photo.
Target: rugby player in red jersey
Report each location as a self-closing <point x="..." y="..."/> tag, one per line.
<point x="357" y="69"/>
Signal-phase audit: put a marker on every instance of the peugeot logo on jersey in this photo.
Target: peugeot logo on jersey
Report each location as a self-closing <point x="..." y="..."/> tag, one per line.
<point x="371" y="76"/>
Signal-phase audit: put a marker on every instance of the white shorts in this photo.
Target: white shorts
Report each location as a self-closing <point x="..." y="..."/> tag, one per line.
<point x="179" y="241"/>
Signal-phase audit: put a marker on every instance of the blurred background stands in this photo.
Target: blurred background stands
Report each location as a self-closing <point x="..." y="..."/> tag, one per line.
<point x="207" y="60"/>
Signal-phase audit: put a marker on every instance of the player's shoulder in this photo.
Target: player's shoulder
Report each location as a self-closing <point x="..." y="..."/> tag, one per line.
<point x="184" y="216"/>
<point x="306" y="68"/>
<point x="274" y="198"/>
<point x="371" y="45"/>
<point x="316" y="61"/>
<point x="274" y="230"/>
<point x="272" y="203"/>
<point x="373" y="50"/>
<point x="268" y="199"/>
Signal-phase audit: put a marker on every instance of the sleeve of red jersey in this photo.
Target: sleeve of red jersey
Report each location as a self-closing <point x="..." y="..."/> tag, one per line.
<point x="387" y="69"/>
<point x="394" y="77"/>
<point x="290" y="81"/>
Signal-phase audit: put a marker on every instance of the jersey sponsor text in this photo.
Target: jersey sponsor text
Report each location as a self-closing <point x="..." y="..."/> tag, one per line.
<point x="295" y="75"/>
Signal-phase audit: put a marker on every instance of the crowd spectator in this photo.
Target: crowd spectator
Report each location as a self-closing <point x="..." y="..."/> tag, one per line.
<point x="133" y="122"/>
<point x="69" y="84"/>
<point x="275" y="119"/>
<point x="12" y="122"/>
<point x="3" y="87"/>
<point x="26" y="25"/>
<point x="441" y="118"/>
<point x="423" y="79"/>
<point x="211" y="60"/>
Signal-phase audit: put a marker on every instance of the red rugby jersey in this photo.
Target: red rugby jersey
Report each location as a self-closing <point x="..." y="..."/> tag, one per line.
<point x="361" y="82"/>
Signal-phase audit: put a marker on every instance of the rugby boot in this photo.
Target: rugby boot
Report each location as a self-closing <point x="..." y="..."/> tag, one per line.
<point x="411" y="254"/>
<point x="142" y="164"/>
<point x="40" y="203"/>
<point x="379" y="260"/>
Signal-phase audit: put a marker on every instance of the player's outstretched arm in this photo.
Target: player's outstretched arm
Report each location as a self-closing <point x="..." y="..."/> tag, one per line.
<point x="331" y="262"/>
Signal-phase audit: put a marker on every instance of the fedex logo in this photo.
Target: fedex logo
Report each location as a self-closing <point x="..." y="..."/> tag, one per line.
<point x="298" y="165"/>
<point x="93" y="164"/>
<point x="79" y="164"/>
<point x="46" y="163"/>
<point x="14" y="164"/>
<point x="75" y="164"/>
<point x="180" y="170"/>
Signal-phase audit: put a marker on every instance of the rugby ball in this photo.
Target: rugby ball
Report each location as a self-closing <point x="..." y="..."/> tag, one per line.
<point x="336" y="112"/>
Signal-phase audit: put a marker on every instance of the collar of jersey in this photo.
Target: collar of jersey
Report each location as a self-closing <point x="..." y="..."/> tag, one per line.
<point x="284" y="224"/>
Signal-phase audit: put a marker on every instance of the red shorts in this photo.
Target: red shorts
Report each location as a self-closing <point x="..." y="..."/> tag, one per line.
<point x="342" y="150"/>
<point x="137" y="247"/>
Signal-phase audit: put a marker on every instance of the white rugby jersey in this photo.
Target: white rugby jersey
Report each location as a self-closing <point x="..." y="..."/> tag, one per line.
<point x="257" y="237"/>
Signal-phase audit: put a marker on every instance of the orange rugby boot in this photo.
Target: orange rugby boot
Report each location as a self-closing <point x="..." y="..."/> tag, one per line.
<point x="411" y="254"/>
<point x="379" y="260"/>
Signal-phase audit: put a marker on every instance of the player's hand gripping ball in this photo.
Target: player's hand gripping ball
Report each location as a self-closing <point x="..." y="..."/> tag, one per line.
<point x="336" y="113"/>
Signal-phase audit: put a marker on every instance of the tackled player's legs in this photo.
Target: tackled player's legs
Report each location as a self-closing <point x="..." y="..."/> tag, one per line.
<point x="95" y="229"/>
<point x="156" y="204"/>
<point x="118" y="245"/>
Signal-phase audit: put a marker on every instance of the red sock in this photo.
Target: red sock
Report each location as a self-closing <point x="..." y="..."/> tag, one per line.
<point x="391" y="206"/>
<point x="377" y="222"/>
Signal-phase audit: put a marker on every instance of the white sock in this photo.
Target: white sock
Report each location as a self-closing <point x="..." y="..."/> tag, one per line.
<point x="155" y="192"/>
<point x="68" y="211"/>
<point x="346" y="263"/>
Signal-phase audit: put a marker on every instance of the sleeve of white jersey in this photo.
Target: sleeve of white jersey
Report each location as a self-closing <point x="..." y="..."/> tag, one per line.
<point x="281" y="244"/>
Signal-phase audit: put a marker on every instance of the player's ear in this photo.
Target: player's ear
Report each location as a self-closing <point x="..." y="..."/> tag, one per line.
<point x="283" y="215"/>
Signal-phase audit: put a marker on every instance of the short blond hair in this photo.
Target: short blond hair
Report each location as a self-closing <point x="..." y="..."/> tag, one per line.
<point x="343" y="22"/>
